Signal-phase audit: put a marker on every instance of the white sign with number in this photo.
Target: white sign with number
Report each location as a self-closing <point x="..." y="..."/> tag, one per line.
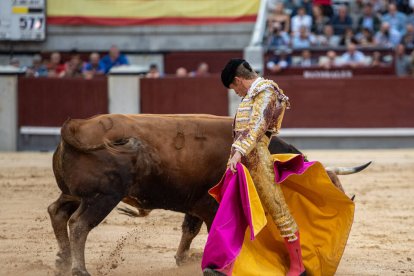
<point x="23" y="20"/>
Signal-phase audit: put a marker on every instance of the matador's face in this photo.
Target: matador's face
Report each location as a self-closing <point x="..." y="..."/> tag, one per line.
<point x="239" y="87"/>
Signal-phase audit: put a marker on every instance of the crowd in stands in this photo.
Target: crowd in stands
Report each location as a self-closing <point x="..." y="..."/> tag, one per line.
<point x="95" y="66"/>
<point x="75" y="66"/>
<point x="336" y="26"/>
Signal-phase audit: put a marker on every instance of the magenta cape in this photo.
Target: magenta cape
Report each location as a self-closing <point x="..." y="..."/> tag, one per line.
<point x="231" y="245"/>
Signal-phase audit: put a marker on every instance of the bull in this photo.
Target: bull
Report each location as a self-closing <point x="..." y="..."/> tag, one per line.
<point x="147" y="161"/>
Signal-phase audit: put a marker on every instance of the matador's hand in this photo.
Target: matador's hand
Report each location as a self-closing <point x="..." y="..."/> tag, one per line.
<point x="234" y="160"/>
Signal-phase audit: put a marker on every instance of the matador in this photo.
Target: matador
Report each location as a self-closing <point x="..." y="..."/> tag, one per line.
<point x="259" y="116"/>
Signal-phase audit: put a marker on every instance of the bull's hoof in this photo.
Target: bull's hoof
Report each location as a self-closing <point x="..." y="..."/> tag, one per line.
<point x="79" y="272"/>
<point x="181" y="259"/>
<point x="63" y="263"/>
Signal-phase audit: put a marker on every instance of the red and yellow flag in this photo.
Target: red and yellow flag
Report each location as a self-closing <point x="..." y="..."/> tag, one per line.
<point x="150" y="12"/>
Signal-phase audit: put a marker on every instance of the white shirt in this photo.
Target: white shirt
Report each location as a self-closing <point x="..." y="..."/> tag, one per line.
<point x="298" y="21"/>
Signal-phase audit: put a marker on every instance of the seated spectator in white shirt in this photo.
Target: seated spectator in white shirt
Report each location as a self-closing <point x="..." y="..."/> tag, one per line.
<point x="301" y="19"/>
<point x="387" y="36"/>
<point x="305" y="60"/>
<point x="330" y="60"/>
<point x="303" y="39"/>
<point x="328" y="39"/>
<point x="352" y="57"/>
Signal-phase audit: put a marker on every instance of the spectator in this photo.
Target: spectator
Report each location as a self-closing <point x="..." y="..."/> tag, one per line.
<point x="395" y="18"/>
<point x="377" y="60"/>
<point x="279" y="37"/>
<point x="154" y="72"/>
<point x="297" y="4"/>
<point x="318" y="21"/>
<point x="365" y="38"/>
<point x="402" y="62"/>
<point x="352" y="57"/>
<point x="280" y="16"/>
<point x="303" y="39"/>
<point x="408" y="38"/>
<point x="306" y="59"/>
<point x="300" y="20"/>
<point x="15" y="62"/>
<point x="356" y="9"/>
<point x="379" y="6"/>
<point x="328" y="39"/>
<point x="37" y="69"/>
<point x="281" y="60"/>
<point x="404" y="6"/>
<point x="369" y="20"/>
<point x="326" y="6"/>
<point x="181" y="72"/>
<point x="330" y="60"/>
<point x="202" y="70"/>
<point x="74" y="67"/>
<point x="386" y="36"/>
<point x="113" y="58"/>
<point x="348" y="37"/>
<point x="94" y="67"/>
<point x="55" y="66"/>
<point x="341" y="21"/>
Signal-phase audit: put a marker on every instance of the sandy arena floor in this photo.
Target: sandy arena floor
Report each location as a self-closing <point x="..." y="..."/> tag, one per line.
<point x="381" y="241"/>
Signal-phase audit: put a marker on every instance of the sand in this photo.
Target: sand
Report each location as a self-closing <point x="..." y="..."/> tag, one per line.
<point x="381" y="241"/>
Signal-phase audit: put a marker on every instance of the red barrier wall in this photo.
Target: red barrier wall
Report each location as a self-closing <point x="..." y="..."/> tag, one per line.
<point x="335" y="103"/>
<point x="49" y="102"/>
<point x="184" y="95"/>
<point x="356" y="102"/>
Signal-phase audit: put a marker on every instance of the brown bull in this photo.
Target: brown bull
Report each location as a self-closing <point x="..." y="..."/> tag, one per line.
<point x="148" y="161"/>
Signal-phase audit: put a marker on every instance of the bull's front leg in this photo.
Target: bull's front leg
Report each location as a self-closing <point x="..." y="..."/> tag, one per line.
<point x="89" y="214"/>
<point x="190" y="228"/>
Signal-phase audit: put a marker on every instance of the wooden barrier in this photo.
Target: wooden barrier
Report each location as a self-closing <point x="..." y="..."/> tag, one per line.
<point x="361" y="102"/>
<point x="50" y="101"/>
<point x="184" y="95"/>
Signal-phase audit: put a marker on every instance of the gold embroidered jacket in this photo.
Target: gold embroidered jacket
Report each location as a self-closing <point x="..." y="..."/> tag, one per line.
<point x="260" y="111"/>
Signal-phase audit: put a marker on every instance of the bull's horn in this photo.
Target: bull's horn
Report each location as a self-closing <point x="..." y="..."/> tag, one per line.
<point x="345" y="170"/>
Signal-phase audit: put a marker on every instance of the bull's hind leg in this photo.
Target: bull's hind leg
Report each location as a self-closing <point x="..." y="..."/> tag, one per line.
<point x="60" y="212"/>
<point x="191" y="227"/>
<point x="89" y="214"/>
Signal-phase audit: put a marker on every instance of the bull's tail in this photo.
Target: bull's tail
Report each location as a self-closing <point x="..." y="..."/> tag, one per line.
<point x="132" y="213"/>
<point x="348" y="170"/>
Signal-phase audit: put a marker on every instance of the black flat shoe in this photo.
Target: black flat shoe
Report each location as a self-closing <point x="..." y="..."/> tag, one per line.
<point x="212" y="272"/>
